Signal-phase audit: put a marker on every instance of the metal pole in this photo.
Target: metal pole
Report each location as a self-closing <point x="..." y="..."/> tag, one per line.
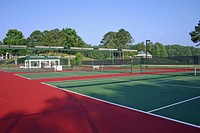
<point x="146" y="54"/>
<point x="146" y="50"/>
<point x="92" y="58"/>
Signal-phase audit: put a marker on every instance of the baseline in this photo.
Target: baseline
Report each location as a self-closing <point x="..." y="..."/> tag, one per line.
<point x="22" y="76"/>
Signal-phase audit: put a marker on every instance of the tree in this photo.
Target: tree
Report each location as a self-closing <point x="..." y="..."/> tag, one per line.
<point x="171" y="51"/>
<point x="14" y="37"/>
<point x="195" y="51"/>
<point x="70" y="38"/>
<point x="195" y="35"/>
<point x="123" y="39"/>
<point x="151" y="49"/>
<point x="187" y="51"/>
<point x="119" y="40"/>
<point x="44" y="38"/>
<point x="108" y="40"/>
<point x="178" y="50"/>
<point x="53" y="37"/>
<point x="66" y="37"/>
<point x="35" y="38"/>
<point x="141" y="47"/>
<point x="160" y="50"/>
<point x="78" y="60"/>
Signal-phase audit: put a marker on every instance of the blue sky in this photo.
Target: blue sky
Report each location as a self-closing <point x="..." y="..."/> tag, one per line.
<point x="165" y="21"/>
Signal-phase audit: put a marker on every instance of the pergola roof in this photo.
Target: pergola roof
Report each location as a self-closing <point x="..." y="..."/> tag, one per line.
<point x="44" y="57"/>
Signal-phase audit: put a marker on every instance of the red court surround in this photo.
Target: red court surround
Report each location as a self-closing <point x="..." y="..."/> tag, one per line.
<point x="28" y="106"/>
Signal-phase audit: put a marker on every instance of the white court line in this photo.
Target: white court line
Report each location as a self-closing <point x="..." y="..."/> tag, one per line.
<point x="45" y="77"/>
<point x="187" y="100"/>
<point x="122" y="106"/>
<point x="22" y="77"/>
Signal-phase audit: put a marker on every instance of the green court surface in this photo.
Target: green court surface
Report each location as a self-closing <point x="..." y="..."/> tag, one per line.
<point x="60" y="74"/>
<point x="40" y="75"/>
<point x="173" y="96"/>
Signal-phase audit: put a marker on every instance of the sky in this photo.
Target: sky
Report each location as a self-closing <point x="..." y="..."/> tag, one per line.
<point x="164" y="21"/>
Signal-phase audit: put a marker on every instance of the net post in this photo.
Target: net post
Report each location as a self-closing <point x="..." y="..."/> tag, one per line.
<point x="132" y="68"/>
<point x="102" y="68"/>
<point x="131" y="65"/>
<point x="195" y="71"/>
<point x="140" y="68"/>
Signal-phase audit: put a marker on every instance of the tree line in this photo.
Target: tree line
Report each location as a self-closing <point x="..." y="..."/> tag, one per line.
<point x="122" y="39"/>
<point x="159" y="50"/>
<point x="66" y="37"/>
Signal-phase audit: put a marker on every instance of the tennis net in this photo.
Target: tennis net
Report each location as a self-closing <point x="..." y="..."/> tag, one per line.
<point x="107" y="68"/>
<point x="176" y="69"/>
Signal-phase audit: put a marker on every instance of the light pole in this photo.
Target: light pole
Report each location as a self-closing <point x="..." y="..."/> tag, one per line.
<point x="147" y="41"/>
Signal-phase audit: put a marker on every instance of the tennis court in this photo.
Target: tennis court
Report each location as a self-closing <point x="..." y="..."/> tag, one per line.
<point x="88" y="103"/>
<point x="175" y="96"/>
<point x="59" y="74"/>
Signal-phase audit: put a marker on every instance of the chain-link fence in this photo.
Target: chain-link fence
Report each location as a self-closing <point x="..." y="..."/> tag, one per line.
<point x="142" y="64"/>
<point x="130" y="65"/>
